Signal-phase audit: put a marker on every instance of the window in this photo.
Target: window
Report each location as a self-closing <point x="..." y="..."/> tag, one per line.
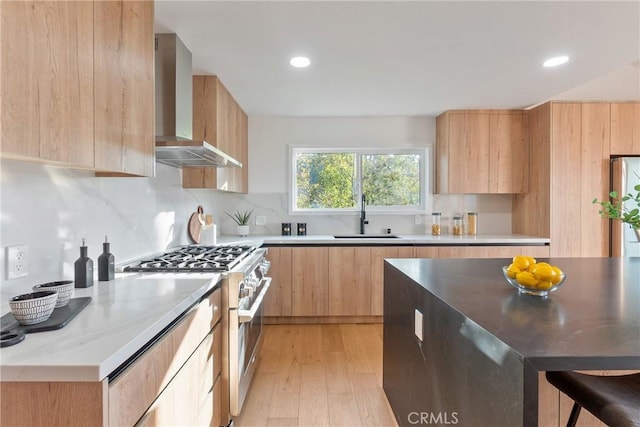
<point x="334" y="180"/>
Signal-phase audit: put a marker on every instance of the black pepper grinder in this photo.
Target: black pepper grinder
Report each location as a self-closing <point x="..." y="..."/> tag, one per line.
<point x="83" y="269"/>
<point x="106" y="263"/>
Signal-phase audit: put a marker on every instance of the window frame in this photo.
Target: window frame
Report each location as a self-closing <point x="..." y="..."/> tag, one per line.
<point x="423" y="152"/>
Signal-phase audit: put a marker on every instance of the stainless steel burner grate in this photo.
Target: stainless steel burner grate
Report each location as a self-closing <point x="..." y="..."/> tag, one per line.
<point x="194" y="259"/>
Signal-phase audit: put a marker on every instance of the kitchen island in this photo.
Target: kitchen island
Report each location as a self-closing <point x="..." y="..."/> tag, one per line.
<point x="485" y="347"/>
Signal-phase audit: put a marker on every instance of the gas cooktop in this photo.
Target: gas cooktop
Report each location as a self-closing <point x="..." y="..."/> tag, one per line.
<point x="194" y="259"/>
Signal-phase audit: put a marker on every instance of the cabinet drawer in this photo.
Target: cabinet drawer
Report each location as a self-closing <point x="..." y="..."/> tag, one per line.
<point x="187" y="396"/>
<point x="133" y="391"/>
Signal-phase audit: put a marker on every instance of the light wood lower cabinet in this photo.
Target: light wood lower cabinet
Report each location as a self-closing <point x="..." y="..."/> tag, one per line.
<point x="344" y="284"/>
<point x="278" y="299"/>
<point x="310" y="281"/>
<point x="134" y="391"/>
<point x="378" y="254"/>
<point x="349" y="281"/>
<point x="186" y="395"/>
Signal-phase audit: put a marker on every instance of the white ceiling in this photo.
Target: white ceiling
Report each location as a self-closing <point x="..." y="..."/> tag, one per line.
<point x="397" y="58"/>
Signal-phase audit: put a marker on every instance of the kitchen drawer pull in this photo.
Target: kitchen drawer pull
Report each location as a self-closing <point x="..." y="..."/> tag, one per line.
<point x="245" y="316"/>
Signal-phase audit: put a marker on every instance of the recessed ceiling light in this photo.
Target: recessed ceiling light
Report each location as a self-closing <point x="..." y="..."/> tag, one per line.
<point x="554" y="62"/>
<point x="300" y="62"/>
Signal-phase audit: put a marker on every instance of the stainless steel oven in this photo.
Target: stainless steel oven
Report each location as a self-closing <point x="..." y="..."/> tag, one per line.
<point x="247" y="287"/>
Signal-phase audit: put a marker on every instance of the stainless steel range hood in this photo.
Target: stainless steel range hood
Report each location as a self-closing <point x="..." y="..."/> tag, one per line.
<point x="174" y="110"/>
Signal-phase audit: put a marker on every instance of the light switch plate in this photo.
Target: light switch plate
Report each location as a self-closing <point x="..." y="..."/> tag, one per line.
<point x="418" y="324"/>
<point x="261" y="220"/>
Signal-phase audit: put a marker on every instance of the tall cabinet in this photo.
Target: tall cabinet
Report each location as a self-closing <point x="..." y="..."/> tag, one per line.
<point x="219" y="120"/>
<point x="77" y="84"/>
<point x="569" y="163"/>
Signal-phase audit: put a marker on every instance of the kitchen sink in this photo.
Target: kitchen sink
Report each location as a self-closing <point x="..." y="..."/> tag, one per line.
<point x="366" y="236"/>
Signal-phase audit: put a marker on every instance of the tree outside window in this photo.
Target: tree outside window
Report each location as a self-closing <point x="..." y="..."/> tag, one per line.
<point x="335" y="180"/>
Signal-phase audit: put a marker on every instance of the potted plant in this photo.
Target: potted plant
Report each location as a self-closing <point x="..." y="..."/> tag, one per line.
<point x="618" y="209"/>
<point x="242" y="221"/>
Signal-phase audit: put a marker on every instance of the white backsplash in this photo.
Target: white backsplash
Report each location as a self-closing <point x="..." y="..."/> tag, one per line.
<point x="51" y="209"/>
<point x="494" y="215"/>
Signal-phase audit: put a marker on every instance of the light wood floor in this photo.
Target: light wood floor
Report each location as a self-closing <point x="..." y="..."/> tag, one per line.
<point x="318" y="375"/>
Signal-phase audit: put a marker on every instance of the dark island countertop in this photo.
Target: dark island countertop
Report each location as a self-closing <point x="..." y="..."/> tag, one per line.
<point x="485" y="345"/>
<point x="594" y="316"/>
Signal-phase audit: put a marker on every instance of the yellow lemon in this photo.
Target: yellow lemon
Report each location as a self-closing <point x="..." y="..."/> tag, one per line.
<point x="527" y="279"/>
<point x="531" y="259"/>
<point x="544" y="272"/>
<point x="532" y="268"/>
<point x="544" y="284"/>
<point x="521" y="261"/>
<point x="512" y="270"/>
<point x="557" y="276"/>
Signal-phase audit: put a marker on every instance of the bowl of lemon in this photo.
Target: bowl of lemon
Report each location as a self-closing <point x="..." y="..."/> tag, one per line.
<point x="533" y="278"/>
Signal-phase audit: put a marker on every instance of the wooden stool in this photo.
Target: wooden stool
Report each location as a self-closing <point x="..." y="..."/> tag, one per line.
<point x="614" y="400"/>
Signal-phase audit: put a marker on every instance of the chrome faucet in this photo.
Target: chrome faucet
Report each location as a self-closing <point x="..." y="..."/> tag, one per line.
<point x="363" y="214"/>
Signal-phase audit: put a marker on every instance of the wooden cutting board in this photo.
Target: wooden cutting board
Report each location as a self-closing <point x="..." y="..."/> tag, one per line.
<point x="195" y="224"/>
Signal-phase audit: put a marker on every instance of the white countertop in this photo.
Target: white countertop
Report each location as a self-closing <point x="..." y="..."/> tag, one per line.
<point x="124" y="314"/>
<point x="402" y="239"/>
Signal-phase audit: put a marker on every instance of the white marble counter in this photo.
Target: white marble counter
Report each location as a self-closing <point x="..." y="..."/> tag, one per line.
<point x="424" y="239"/>
<point x="124" y="314"/>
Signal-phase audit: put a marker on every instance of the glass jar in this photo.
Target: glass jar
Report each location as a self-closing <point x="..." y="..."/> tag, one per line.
<point x="472" y="223"/>
<point x="457" y="225"/>
<point x="435" y="223"/>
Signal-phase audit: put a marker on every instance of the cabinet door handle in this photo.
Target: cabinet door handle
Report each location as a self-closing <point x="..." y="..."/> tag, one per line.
<point x="245" y="316"/>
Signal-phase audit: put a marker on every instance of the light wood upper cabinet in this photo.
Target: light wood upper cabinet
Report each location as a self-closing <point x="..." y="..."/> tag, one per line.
<point x="47" y="81"/>
<point x="219" y="120"/>
<point x="77" y="84"/>
<point x="625" y="128"/>
<point x="508" y="153"/>
<point x="310" y="281"/>
<point x="482" y="152"/>
<point x="349" y="281"/>
<point x="124" y="87"/>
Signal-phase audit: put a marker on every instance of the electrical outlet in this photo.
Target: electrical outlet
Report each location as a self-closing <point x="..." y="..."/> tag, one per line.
<point x="418" y="219"/>
<point x="261" y="220"/>
<point x="17" y="261"/>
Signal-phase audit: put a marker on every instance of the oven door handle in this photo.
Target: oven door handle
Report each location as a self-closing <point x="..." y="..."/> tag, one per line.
<point x="245" y="316"/>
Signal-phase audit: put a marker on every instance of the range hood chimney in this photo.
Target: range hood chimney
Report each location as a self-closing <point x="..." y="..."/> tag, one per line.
<point x="174" y="110"/>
